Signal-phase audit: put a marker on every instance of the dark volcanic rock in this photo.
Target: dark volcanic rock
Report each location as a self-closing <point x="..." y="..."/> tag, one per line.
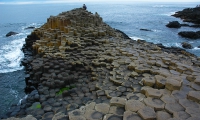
<point x="124" y="35"/>
<point x="189" y="15"/>
<point x="174" y="24"/>
<point x="174" y="50"/>
<point x="186" y="45"/>
<point x="190" y="34"/>
<point x="145" y="29"/>
<point x="195" y="26"/>
<point x="31" y="27"/>
<point x="11" y="33"/>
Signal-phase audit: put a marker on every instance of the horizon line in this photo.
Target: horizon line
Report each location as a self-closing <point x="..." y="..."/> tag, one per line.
<point x="86" y="1"/>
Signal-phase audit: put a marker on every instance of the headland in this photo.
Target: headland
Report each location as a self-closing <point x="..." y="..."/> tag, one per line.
<point x="79" y="68"/>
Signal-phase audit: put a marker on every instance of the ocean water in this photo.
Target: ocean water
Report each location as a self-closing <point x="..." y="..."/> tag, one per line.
<point x="127" y="17"/>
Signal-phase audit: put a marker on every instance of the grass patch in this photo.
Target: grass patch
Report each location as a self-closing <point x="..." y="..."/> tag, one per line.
<point x="64" y="89"/>
<point x="38" y="106"/>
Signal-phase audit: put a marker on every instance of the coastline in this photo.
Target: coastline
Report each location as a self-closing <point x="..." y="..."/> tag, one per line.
<point x="14" y="86"/>
<point x="104" y="67"/>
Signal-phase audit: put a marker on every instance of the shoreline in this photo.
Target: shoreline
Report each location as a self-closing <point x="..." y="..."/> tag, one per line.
<point x="10" y="89"/>
<point x="104" y="68"/>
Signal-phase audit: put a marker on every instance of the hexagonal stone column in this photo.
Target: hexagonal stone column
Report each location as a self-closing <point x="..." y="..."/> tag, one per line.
<point x="147" y="113"/>
<point x="194" y="95"/>
<point x="134" y="105"/>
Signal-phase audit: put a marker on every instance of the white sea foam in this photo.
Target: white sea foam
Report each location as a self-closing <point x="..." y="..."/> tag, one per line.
<point x="196" y="48"/>
<point x="20" y="101"/>
<point x="160" y="6"/>
<point x="172" y="44"/>
<point x="168" y="14"/>
<point x="178" y="45"/>
<point x="10" y="56"/>
<point x="135" y="38"/>
<point x="10" y="53"/>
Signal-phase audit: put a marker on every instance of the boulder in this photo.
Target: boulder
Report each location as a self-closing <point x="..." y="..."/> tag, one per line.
<point x="11" y="33"/>
<point x="190" y="34"/>
<point x="143" y="29"/>
<point x="186" y="45"/>
<point x="174" y="24"/>
<point x="31" y="27"/>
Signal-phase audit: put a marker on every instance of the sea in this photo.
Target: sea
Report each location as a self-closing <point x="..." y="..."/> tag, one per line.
<point x="127" y="17"/>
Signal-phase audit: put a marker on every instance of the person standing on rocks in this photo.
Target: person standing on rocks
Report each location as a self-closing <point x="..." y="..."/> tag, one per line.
<point x="84" y="7"/>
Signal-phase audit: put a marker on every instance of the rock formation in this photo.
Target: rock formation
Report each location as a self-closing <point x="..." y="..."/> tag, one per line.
<point x="11" y="33"/>
<point x="174" y="24"/>
<point x="113" y="78"/>
<point x="186" y="45"/>
<point x="189" y="15"/>
<point x="31" y="27"/>
<point x="143" y="29"/>
<point x="190" y="34"/>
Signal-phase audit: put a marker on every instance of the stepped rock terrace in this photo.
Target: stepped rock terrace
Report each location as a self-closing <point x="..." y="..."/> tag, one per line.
<point x="108" y="77"/>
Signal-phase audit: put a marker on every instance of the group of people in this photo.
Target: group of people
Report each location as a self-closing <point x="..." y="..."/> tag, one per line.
<point x="198" y="6"/>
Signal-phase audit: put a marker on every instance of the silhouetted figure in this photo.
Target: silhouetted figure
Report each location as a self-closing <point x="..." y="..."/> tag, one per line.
<point x="84" y="7"/>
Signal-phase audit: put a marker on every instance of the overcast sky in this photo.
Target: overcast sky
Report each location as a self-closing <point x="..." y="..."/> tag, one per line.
<point x="114" y="1"/>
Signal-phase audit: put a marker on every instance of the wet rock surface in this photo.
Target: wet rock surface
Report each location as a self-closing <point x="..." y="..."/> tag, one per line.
<point x="189" y="15"/>
<point x="174" y="24"/>
<point x="11" y="33"/>
<point x="78" y="67"/>
<point x="190" y="34"/>
<point x="186" y="45"/>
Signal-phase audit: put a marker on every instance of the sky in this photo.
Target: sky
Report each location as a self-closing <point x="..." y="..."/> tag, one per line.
<point x="73" y="1"/>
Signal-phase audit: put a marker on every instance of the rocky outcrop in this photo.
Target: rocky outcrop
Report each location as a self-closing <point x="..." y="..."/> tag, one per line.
<point x="123" y="34"/>
<point x="174" y="24"/>
<point x="186" y="45"/>
<point x="189" y="15"/>
<point x="11" y="33"/>
<point x="143" y="29"/>
<point x="190" y="34"/>
<point x="81" y="68"/>
<point x="31" y="27"/>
